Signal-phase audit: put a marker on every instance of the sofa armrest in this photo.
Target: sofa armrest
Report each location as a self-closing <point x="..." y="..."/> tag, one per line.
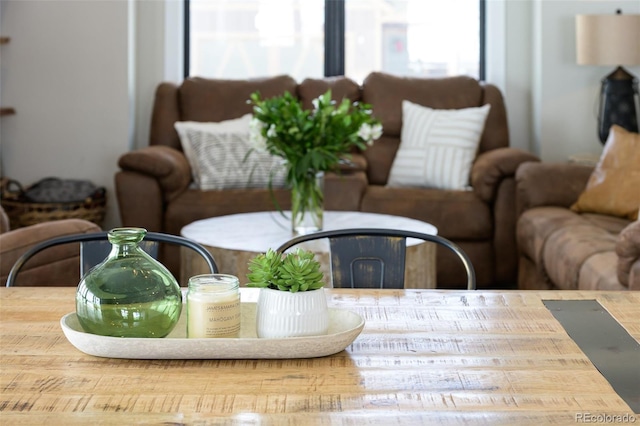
<point x="634" y="276"/>
<point x="491" y="167"/>
<point x="354" y="162"/>
<point x="549" y="184"/>
<point x="4" y="221"/>
<point x="628" y="251"/>
<point x="55" y="266"/>
<point x="165" y="164"/>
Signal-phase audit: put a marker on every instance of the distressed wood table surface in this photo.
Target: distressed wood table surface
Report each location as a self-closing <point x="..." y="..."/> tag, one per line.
<point x="424" y="357"/>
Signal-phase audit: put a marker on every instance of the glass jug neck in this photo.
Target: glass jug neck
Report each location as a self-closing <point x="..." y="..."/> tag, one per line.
<point x="125" y="240"/>
<point x="122" y="236"/>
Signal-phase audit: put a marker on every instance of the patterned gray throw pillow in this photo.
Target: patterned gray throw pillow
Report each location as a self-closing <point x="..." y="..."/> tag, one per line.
<point x="217" y="153"/>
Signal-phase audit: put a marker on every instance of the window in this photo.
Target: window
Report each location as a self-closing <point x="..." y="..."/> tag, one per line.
<point x="255" y="38"/>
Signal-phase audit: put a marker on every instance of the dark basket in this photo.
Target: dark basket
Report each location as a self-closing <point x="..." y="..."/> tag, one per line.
<point x="24" y="213"/>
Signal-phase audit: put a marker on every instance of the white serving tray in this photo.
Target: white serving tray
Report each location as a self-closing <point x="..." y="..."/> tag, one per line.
<point x="344" y="327"/>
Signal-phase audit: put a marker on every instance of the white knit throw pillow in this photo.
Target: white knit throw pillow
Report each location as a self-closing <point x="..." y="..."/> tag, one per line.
<point x="217" y="154"/>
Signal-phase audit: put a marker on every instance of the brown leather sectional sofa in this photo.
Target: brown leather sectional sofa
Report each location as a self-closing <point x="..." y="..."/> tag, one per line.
<point x="154" y="185"/>
<point x="564" y="250"/>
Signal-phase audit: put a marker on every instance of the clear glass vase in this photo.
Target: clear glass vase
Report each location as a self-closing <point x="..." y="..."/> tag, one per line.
<point x="307" y="204"/>
<point x="129" y="294"/>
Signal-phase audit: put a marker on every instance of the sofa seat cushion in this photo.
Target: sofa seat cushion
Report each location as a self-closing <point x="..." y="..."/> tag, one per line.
<point x="195" y="204"/>
<point x="568" y="249"/>
<point x="537" y="224"/>
<point x="342" y="192"/>
<point x="574" y="251"/>
<point x="456" y="214"/>
<point x="599" y="273"/>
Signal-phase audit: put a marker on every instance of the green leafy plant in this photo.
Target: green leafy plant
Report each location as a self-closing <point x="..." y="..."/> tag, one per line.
<point x="294" y="271"/>
<point x="310" y="141"/>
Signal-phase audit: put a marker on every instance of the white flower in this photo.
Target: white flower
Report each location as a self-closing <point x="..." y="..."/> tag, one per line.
<point x="256" y="138"/>
<point x="315" y="103"/>
<point x="376" y="131"/>
<point x="271" y="133"/>
<point x="369" y="133"/>
<point x="255" y="125"/>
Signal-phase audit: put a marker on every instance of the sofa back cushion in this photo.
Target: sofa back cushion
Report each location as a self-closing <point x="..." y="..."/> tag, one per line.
<point x="386" y="92"/>
<point x="202" y="99"/>
<point x="208" y="100"/>
<point x="341" y="88"/>
<point x="165" y="112"/>
<point x="215" y="100"/>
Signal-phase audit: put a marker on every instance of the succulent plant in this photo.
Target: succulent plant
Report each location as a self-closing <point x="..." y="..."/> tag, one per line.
<point x="294" y="271"/>
<point x="263" y="269"/>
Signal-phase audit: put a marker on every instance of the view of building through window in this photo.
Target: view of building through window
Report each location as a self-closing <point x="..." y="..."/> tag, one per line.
<point x="257" y="38"/>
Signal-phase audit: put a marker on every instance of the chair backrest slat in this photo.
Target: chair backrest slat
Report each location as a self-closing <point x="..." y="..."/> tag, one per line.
<point x="375" y="258"/>
<point x="367" y="262"/>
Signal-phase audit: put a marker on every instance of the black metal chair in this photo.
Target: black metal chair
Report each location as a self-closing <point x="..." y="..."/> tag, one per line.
<point x="374" y="258"/>
<point x="94" y="248"/>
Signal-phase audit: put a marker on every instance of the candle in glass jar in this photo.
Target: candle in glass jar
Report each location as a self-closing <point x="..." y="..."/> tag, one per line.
<point x="213" y="306"/>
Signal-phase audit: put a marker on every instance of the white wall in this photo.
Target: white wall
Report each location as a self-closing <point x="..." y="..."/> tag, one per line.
<point x="508" y="63"/>
<point x="551" y="101"/>
<point x="566" y="94"/>
<point x="69" y="72"/>
<point x="159" y="41"/>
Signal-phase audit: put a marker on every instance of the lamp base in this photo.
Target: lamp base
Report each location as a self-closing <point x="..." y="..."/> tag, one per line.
<point x="619" y="103"/>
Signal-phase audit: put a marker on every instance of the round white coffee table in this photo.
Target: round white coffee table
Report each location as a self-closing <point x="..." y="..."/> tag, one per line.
<point x="234" y="239"/>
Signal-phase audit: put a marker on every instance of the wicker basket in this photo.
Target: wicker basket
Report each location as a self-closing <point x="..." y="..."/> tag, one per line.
<point x="24" y="213"/>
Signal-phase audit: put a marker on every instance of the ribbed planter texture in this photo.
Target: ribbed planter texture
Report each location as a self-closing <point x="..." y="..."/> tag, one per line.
<point x="285" y="314"/>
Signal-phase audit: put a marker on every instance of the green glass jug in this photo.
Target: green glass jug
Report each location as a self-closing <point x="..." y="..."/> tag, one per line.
<point x="129" y="294"/>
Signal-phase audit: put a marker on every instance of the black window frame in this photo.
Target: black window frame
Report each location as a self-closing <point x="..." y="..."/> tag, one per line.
<point x="334" y="38"/>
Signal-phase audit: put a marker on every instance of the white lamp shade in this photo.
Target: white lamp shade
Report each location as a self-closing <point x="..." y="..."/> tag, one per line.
<point x="608" y="39"/>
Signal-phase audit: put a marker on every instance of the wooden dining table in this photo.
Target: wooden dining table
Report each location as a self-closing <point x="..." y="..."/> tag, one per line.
<point x="424" y="357"/>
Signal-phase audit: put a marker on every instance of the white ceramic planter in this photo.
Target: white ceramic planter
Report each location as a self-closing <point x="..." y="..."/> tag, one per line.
<point x="286" y="314"/>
